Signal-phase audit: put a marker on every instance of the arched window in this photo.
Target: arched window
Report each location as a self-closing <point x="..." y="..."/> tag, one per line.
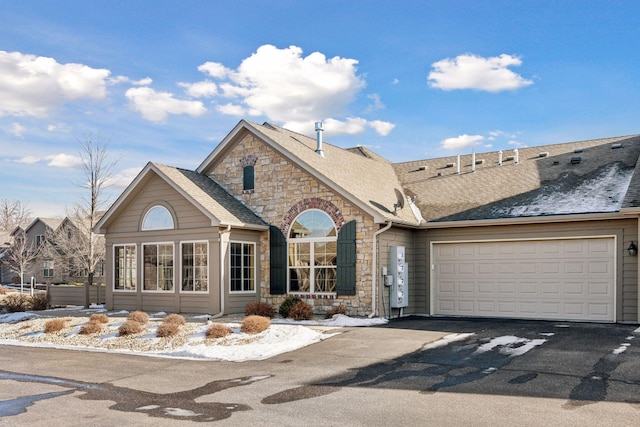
<point x="312" y="250"/>
<point x="157" y="218"/>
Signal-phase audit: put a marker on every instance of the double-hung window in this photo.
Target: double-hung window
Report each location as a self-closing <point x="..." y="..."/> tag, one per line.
<point x="195" y="266"/>
<point x="125" y="267"/>
<point x="47" y="268"/>
<point x="158" y="267"/>
<point x="243" y="267"/>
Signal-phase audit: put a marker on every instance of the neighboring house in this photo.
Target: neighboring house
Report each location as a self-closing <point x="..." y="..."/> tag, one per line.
<point x="540" y="233"/>
<point x="52" y="265"/>
<point x="5" y="244"/>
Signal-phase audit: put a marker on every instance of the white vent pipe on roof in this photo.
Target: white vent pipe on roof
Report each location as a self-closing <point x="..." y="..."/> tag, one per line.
<point x="515" y="155"/>
<point x="319" y="138"/>
<point x="500" y="158"/>
<point x="458" y="165"/>
<point x="473" y="161"/>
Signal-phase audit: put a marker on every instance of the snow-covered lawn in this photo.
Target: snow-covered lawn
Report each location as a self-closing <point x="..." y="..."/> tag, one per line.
<point x="284" y="335"/>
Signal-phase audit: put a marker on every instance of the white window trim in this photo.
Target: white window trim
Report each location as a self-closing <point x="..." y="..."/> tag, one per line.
<point x="154" y="207"/>
<point x="208" y="269"/>
<point x="255" y="269"/>
<point x="312" y="268"/>
<point x="159" y="291"/>
<point x="113" y="283"/>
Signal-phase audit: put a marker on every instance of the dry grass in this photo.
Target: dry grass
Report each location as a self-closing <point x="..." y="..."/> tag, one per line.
<point x="139" y="316"/>
<point x="177" y="319"/>
<point x="2" y="290"/>
<point x="259" y="308"/>
<point x="255" y="324"/>
<point x="130" y="327"/>
<point x="167" y="330"/>
<point x="55" y="325"/>
<point x="218" y="330"/>
<point x="99" y="317"/>
<point x="301" y="311"/>
<point x="92" y="327"/>
<point x="341" y="309"/>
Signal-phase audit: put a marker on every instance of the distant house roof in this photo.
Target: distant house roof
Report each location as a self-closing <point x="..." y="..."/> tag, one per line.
<point x="205" y="194"/>
<point x="52" y="223"/>
<point x="592" y="176"/>
<point x="361" y="176"/>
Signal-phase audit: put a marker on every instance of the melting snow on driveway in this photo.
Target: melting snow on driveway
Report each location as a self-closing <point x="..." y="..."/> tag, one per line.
<point x="511" y="345"/>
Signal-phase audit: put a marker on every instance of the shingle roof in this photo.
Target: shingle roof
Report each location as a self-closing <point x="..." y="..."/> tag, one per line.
<point x="358" y="172"/>
<point x="211" y="196"/>
<point x="543" y="178"/>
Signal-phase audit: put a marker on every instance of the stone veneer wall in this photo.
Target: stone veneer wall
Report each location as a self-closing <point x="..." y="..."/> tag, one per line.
<point x="280" y="186"/>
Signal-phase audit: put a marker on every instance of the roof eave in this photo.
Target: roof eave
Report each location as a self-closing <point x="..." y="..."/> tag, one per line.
<point x="528" y="220"/>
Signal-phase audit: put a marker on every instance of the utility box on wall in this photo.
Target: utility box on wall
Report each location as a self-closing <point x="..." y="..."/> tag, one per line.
<point x="399" y="270"/>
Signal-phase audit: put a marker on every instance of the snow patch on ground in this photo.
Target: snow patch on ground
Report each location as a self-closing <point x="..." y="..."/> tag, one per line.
<point x="511" y="345"/>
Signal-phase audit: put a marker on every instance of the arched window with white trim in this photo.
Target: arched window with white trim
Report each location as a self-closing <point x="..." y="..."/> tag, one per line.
<point x="312" y="253"/>
<point x="157" y="218"/>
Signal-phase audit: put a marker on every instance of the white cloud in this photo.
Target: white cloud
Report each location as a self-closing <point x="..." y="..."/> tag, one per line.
<point x="124" y="79"/>
<point x="461" y="141"/>
<point x="474" y="72"/>
<point x="395" y="81"/>
<point x="292" y="89"/>
<point x="33" y="85"/>
<point x="62" y="160"/>
<point x="383" y="128"/>
<point x="376" y="103"/>
<point x="156" y="106"/>
<point x="517" y="144"/>
<point x="203" y="89"/>
<point x="214" y="69"/>
<point x="17" y="129"/>
<point x="123" y="178"/>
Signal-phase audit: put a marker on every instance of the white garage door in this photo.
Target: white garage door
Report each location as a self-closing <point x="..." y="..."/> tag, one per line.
<point x="570" y="279"/>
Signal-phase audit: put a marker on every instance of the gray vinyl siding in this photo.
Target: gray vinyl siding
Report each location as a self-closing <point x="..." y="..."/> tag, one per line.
<point x="399" y="237"/>
<point x="625" y="230"/>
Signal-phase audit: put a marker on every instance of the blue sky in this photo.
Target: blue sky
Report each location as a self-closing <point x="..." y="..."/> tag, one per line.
<point x="165" y="81"/>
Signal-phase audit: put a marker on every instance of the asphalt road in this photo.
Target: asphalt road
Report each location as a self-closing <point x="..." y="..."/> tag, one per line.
<point x="416" y="371"/>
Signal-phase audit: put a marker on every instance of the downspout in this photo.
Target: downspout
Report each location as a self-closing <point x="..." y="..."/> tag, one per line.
<point x="374" y="276"/>
<point x="221" y="268"/>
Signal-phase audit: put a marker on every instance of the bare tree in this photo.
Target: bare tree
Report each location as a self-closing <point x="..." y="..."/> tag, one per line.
<point x="20" y="256"/>
<point x="13" y="213"/>
<point x="79" y="244"/>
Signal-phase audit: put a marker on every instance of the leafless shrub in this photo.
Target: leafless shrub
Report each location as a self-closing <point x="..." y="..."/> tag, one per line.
<point x="15" y="302"/>
<point x="130" y="327"/>
<point x="39" y="301"/>
<point x="2" y="290"/>
<point x="177" y="319"/>
<point x="341" y="309"/>
<point x="138" y="316"/>
<point x="54" y="325"/>
<point x="218" y="330"/>
<point x="92" y="327"/>
<point x="167" y="330"/>
<point x="255" y="324"/>
<point x="301" y="311"/>
<point x="99" y="318"/>
<point x="259" y="308"/>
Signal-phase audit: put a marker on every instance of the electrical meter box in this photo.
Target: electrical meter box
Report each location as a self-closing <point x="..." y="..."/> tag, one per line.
<point x="399" y="270"/>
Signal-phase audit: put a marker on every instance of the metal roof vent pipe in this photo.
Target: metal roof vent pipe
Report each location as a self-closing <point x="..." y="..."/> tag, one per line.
<point x="458" y="164"/>
<point x="500" y="158"/>
<point x="515" y="155"/>
<point x="319" y="138"/>
<point x="473" y="162"/>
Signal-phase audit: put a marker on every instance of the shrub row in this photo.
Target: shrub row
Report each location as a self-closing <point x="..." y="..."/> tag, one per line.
<point x="17" y="302"/>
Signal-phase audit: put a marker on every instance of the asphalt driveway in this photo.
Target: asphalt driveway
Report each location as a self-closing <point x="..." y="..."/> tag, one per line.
<point x="414" y="371"/>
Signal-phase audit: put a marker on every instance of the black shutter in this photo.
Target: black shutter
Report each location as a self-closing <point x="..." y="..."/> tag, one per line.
<point x="277" y="261"/>
<point x="346" y="263"/>
<point x="248" y="178"/>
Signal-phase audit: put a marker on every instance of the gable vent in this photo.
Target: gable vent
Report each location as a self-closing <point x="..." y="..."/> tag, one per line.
<point x="618" y="145"/>
<point x="576" y="160"/>
<point x="543" y="154"/>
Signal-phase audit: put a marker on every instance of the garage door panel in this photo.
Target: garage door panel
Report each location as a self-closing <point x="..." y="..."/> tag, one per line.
<point x="570" y="279"/>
